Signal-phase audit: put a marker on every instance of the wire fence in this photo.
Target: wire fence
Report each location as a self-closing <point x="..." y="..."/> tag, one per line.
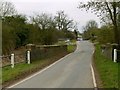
<point x="36" y="53"/>
<point x="6" y="60"/>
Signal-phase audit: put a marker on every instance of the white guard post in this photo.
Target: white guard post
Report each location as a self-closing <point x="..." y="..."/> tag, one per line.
<point x="115" y="55"/>
<point x="28" y="57"/>
<point x="12" y="60"/>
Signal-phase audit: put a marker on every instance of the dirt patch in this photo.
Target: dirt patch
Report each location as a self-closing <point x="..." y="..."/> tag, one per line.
<point x="32" y="71"/>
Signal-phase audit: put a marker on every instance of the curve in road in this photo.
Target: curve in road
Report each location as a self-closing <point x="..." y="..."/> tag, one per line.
<point x="72" y="71"/>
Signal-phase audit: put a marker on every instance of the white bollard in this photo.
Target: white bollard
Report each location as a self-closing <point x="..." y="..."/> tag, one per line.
<point x="28" y="57"/>
<point x="12" y="60"/>
<point x="115" y="55"/>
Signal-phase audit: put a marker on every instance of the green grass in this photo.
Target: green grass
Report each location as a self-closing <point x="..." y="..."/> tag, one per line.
<point x="71" y="48"/>
<point x="107" y="69"/>
<point x="73" y="41"/>
<point x="12" y="73"/>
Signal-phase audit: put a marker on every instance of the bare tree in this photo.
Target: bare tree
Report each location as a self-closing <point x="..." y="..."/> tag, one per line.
<point x="6" y="9"/>
<point x="63" y="22"/>
<point x="44" y="21"/>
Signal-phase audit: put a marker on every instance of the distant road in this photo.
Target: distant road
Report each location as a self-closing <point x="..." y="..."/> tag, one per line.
<point x="73" y="71"/>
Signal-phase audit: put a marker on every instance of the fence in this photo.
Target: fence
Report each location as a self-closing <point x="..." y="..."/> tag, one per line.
<point x="31" y="53"/>
<point x="18" y="58"/>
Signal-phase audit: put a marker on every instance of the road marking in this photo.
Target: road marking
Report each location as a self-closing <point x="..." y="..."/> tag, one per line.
<point x="39" y="72"/>
<point x="93" y="75"/>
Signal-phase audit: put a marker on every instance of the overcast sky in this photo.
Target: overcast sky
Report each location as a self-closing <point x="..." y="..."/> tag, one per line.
<point x="29" y="7"/>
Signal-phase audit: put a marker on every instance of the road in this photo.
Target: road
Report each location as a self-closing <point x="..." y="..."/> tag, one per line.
<point x="73" y="71"/>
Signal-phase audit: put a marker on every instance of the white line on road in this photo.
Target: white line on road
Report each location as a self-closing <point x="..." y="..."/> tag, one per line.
<point x="93" y="75"/>
<point x="38" y="72"/>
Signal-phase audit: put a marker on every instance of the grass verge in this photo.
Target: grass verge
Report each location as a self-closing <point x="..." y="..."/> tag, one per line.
<point x="22" y="70"/>
<point x="71" y="48"/>
<point x="107" y="70"/>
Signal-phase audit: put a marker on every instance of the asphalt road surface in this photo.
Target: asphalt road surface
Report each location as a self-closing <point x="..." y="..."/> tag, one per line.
<point x="73" y="71"/>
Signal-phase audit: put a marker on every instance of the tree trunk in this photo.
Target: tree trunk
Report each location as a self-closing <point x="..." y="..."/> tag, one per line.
<point x="117" y="39"/>
<point x="116" y="31"/>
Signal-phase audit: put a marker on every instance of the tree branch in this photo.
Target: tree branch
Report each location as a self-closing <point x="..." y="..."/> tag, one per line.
<point x="110" y="12"/>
